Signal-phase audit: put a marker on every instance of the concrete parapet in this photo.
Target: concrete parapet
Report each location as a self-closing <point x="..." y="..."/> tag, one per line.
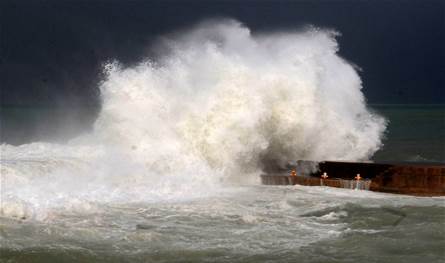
<point x="411" y="179"/>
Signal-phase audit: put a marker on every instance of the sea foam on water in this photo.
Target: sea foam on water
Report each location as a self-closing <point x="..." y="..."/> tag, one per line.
<point x="216" y="101"/>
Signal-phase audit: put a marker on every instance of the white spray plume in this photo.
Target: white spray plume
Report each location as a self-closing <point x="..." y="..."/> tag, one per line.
<point x="228" y="97"/>
<point x="216" y="102"/>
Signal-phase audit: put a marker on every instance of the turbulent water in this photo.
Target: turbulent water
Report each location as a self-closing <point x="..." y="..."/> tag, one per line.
<point x="170" y="170"/>
<point x="245" y="224"/>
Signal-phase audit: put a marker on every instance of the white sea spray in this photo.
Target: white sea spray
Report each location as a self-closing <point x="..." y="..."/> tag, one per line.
<point x="216" y="102"/>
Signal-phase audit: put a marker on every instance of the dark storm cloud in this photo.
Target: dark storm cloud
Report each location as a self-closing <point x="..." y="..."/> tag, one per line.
<point x="52" y="51"/>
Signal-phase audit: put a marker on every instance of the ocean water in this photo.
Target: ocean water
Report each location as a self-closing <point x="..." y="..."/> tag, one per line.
<point x="167" y="170"/>
<point x="415" y="133"/>
<point x="244" y="224"/>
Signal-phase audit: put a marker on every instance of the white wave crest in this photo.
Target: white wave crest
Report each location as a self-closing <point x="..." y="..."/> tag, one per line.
<point x="216" y="102"/>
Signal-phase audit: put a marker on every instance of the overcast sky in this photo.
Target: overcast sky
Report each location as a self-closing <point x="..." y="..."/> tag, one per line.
<point x="52" y="51"/>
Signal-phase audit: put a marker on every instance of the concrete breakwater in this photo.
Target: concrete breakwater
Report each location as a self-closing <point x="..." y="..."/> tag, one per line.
<point x="399" y="178"/>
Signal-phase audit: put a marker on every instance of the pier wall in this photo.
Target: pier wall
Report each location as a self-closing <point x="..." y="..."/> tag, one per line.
<point x="411" y="179"/>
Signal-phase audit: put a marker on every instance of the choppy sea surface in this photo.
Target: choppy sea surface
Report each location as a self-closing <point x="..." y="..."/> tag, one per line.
<point x="243" y="224"/>
<point x="246" y="223"/>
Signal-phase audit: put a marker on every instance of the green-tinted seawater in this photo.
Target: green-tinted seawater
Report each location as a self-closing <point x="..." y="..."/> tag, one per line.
<point x="414" y="133"/>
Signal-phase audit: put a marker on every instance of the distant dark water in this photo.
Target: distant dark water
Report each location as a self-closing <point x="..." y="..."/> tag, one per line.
<point x="20" y="125"/>
<point x="414" y="133"/>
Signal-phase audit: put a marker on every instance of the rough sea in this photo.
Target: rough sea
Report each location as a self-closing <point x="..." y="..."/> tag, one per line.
<point x="167" y="169"/>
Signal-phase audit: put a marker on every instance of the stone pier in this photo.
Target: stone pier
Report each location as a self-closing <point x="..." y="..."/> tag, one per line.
<point x="400" y="178"/>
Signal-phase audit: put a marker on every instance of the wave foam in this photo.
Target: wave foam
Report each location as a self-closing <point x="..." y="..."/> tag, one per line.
<point x="211" y="107"/>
